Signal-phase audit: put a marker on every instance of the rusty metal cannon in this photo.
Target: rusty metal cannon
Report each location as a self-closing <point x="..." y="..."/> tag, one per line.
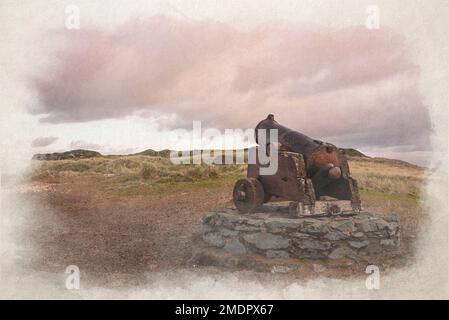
<point x="313" y="175"/>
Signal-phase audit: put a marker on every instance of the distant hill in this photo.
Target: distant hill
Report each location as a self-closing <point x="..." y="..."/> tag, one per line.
<point x="72" y="154"/>
<point x="82" y="154"/>
<point x="394" y="162"/>
<point x="350" y="152"/>
<point x="153" y="153"/>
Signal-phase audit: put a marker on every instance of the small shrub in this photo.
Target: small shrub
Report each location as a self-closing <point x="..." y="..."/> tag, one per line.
<point x="213" y="173"/>
<point x="148" y="172"/>
<point x="194" y="173"/>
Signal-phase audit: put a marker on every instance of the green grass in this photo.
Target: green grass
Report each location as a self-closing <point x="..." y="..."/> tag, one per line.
<point x="161" y="188"/>
<point x="386" y="196"/>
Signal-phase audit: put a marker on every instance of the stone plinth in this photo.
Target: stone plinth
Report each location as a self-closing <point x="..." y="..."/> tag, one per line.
<point x="274" y="234"/>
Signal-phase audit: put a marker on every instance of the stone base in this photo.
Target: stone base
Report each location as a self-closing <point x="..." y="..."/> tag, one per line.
<point x="273" y="234"/>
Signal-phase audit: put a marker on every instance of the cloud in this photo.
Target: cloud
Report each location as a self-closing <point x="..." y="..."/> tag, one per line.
<point x="103" y="148"/>
<point x="352" y="85"/>
<point x="43" y="142"/>
<point x="80" y="144"/>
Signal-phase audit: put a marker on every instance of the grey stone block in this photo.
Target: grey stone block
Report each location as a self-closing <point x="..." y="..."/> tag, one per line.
<point x="313" y="244"/>
<point x="314" y="226"/>
<point x="335" y="236"/>
<point x="358" y="244"/>
<point x="214" y="238"/>
<point x="282" y="236"/>
<point x="388" y="242"/>
<point x="372" y="225"/>
<point x="341" y="252"/>
<point x="264" y="240"/>
<point x="244" y="227"/>
<point x="358" y="235"/>
<point x="343" y="226"/>
<point x="301" y="235"/>
<point x="228" y="233"/>
<point x="278" y="224"/>
<point x="234" y="246"/>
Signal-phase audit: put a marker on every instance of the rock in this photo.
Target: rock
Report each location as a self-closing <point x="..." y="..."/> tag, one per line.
<point x="358" y="234"/>
<point x="380" y="234"/>
<point x="388" y="242"/>
<point x="313" y="244"/>
<point x="229" y="233"/>
<point x="318" y="268"/>
<point x="264" y="241"/>
<point x="280" y="224"/>
<point x="277" y="254"/>
<point x="367" y="226"/>
<point x="230" y="220"/>
<point x="372" y="225"/>
<point x="358" y="244"/>
<point x="234" y="246"/>
<point x="335" y="235"/>
<point x="275" y="234"/>
<point x="393" y="228"/>
<point x="254" y="222"/>
<point x="341" y="252"/>
<point x="343" y="226"/>
<point x="246" y="228"/>
<point x="382" y="224"/>
<point x="276" y="207"/>
<point x="394" y="217"/>
<point x="301" y="235"/>
<point x="313" y="226"/>
<point x="206" y="228"/>
<point x="214" y="238"/>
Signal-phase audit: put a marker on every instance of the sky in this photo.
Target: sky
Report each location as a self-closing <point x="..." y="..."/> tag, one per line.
<point x="132" y="73"/>
<point x="384" y="105"/>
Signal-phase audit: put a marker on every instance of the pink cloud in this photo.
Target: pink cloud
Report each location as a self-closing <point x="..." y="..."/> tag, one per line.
<point x="350" y="84"/>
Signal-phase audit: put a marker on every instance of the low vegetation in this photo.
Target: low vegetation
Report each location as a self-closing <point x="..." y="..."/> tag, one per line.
<point x="152" y="207"/>
<point x="136" y="175"/>
<point x="144" y="175"/>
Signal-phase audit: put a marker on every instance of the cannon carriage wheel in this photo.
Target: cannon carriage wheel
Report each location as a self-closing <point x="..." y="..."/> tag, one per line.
<point x="248" y="194"/>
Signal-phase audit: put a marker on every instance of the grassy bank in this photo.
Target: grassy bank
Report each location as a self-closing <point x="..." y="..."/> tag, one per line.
<point x="146" y="175"/>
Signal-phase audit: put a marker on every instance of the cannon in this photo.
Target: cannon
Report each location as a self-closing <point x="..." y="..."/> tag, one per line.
<point x="312" y="175"/>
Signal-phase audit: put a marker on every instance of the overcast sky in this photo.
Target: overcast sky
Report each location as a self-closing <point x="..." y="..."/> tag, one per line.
<point x="119" y="84"/>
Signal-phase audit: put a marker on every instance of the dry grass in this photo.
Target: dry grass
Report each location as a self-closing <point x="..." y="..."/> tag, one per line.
<point x="151" y="207"/>
<point x="136" y="175"/>
<point x="389" y="177"/>
<point x="145" y="174"/>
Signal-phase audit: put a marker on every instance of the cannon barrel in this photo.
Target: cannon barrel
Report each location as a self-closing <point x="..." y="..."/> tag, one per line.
<point x="293" y="140"/>
<point x="317" y="154"/>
